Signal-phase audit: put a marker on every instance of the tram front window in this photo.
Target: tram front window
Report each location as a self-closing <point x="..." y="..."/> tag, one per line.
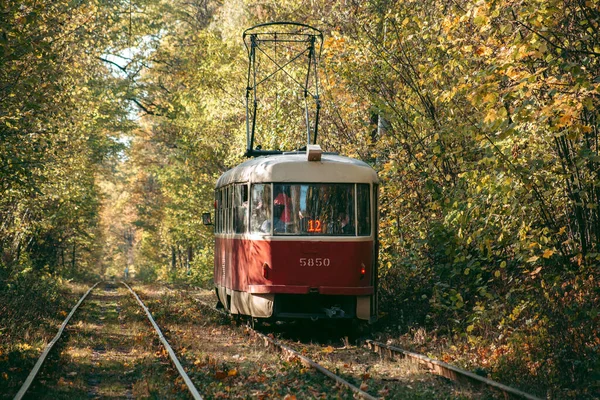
<point x="316" y="209"/>
<point x="260" y="216"/>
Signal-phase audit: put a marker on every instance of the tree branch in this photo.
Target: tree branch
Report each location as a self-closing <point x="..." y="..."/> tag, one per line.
<point x="142" y="107"/>
<point x="124" y="69"/>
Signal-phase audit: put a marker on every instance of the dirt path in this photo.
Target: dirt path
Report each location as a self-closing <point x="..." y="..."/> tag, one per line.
<point x="109" y="351"/>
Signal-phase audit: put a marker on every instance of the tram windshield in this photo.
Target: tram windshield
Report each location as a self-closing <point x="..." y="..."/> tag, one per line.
<point x="320" y="209"/>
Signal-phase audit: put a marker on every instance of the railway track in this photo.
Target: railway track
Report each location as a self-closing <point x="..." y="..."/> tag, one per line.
<point x="219" y="361"/>
<point x="46" y="351"/>
<point x="483" y="388"/>
<point x="344" y="372"/>
<point x="109" y="306"/>
<point x="222" y="363"/>
<point x="240" y="364"/>
<point x="269" y="341"/>
<point x="447" y="370"/>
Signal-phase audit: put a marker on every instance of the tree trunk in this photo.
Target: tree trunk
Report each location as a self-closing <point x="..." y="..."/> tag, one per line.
<point x="73" y="259"/>
<point x="180" y="256"/>
<point x="189" y="258"/>
<point x="173" y="258"/>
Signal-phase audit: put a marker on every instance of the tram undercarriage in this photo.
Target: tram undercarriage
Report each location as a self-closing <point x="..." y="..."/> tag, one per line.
<point x="279" y="306"/>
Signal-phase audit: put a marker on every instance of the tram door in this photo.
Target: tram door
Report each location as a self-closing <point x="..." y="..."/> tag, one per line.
<point x="222" y="243"/>
<point x="374" y="270"/>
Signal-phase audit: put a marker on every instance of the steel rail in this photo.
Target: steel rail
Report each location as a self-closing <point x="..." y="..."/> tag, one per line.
<point x="305" y="360"/>
<point x="310" y="363"/>
<point x="447" y="370"/>
<point x="42" y="358"/>
<point x="178" y="365"/>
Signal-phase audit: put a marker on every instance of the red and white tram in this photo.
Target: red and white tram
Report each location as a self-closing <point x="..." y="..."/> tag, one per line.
<point x="296" y="237"/>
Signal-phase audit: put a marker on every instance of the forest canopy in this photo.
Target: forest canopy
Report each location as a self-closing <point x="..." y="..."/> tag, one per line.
<point x="481" y="119"/>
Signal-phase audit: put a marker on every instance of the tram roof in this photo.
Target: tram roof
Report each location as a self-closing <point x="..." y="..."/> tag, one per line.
<point x="296" y="168"/>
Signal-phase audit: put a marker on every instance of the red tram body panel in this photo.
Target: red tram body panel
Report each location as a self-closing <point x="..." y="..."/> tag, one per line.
<point x="335" y="267"/>
<point x="297" y="238"/>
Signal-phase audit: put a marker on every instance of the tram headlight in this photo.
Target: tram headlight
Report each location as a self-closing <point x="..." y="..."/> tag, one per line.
<point x="266" y="271"/>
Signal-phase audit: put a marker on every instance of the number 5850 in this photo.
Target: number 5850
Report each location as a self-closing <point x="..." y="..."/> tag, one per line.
<point x="315" y="262"/>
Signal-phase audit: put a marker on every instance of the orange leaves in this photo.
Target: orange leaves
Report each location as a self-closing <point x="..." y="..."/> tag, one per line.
<point x="63" y="382"/>
<point x="535" y="272"/>
<point x="548" y="253"/>
<point x="220" y="375"/>
<point x="566" y="119"/>
<point x="328" y="350"/>
<point x="199" y="363"/>
<point x="483" y="51"/>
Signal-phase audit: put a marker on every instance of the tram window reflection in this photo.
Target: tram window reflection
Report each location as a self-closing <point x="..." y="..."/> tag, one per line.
<point x="240" y="208"/>
<point x="317" y="209"/>
<point x="260" y="217"/>
<point x="363" y="209"/>
<point x="285" y="215"/>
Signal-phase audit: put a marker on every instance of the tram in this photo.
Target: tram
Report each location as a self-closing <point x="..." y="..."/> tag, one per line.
<point x="296" y="237"/>
<point x="295" y="232"/>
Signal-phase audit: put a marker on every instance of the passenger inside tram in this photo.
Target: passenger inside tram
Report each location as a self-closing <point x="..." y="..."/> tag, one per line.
<point x="282" y="211"/>
<point x="345" y="226"/>
<point x="317" y="209"/>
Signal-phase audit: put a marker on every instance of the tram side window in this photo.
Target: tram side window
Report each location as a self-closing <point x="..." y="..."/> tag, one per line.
<point x="240" y="205"/>
<point x="217" y="211"/>
<point x="224" y="208"/>
<point x="363" y="200"/>
<point x="221" y="210"/>
<point x="260" y="217"/>
<point x="228" y="209"/>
